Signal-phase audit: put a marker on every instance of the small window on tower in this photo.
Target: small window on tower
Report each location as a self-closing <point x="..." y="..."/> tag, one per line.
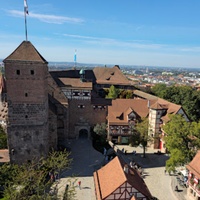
<point x="32" y="72"/>
<point x="18" y="72"/>
<point x="26" y="116"/>
<point x="26" y="94"/>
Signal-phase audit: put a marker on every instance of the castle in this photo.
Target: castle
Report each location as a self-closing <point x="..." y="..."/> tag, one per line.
<point x="43" y="109"/>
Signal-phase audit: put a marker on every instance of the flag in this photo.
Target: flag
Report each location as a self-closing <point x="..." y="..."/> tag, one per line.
<point x="25" y="7"/>
<point x="75" y="56"/>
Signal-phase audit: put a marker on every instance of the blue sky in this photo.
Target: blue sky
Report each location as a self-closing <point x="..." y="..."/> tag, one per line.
<point x="123" y="32"/>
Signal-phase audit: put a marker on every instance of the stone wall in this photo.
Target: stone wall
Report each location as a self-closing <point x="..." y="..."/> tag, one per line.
<point x="83" y="114"/>
<point x="27" y="96"/>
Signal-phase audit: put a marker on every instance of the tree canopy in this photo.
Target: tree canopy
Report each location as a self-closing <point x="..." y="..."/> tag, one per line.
<point x="182" y="141"/>
<point x="140" y="134"/>
<point x="113" y="92"/>
<point x="32" y="181"/>
<point x="185" y="96"/>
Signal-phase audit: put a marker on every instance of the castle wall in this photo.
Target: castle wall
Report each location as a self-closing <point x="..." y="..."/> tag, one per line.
<point x="83" y="114"/>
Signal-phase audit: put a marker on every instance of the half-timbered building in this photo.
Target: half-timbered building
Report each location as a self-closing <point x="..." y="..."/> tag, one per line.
<point x="122" y="117"/>
<point x="117" y="180"/>
<point x="193" y="190"/>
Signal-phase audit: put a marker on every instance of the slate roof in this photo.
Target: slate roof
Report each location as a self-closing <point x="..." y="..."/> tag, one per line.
<point x="111" y="76"/>
<point x="112" y="176"/>
<point x="75" y="83"/>
<point x="69" y="77"/>
<point x="25" y="52"/>
<point x="194" y="165"/>
<point x="58" y="95"/>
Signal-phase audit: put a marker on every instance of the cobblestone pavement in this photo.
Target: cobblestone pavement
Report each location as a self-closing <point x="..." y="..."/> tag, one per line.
<point x="86" y="160"/>
<point x="161" y="185"/>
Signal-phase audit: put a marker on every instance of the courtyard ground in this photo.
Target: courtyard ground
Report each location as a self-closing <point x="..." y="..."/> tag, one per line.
<point x="86" y="160"/>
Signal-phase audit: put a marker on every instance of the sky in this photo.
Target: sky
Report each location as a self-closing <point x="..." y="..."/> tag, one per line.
<point x="121" y="32"/>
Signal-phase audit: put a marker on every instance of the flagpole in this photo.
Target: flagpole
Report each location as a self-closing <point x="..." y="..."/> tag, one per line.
<point x="25" y="25"/>
<point x="25" y="13"/>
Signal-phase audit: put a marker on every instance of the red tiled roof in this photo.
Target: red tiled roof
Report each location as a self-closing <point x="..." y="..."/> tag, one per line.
<point x="123" y="107"/>
<point x="112" y="176"/>
<point x="26" y="52"/>
<point x="4" y="156"/>
<point x="194" y="165"/>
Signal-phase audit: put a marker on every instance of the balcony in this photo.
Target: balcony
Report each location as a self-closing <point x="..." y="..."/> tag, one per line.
<point x="194" y="184"/>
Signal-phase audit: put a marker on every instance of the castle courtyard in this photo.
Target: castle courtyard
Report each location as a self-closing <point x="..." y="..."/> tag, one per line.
<point x="86" y="160"/>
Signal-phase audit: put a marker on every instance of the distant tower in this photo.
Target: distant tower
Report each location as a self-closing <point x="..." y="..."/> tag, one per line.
<point x="27" y="95"/>
<point x="75" y="58"/>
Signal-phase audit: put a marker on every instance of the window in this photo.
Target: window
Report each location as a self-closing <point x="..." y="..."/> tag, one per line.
<point x="26" y="94"/>
<point x="26" y="116"/>
<point x="81" y="106"/>
<point x="18" y="72"/>
<point x="32" y="72"/>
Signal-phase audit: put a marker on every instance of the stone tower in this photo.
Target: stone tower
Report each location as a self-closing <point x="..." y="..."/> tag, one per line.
<point x="26" y="74"/>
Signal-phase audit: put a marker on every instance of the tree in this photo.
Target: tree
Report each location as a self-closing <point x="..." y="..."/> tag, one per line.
<point x="182" y="140"/>
<point x="140" y="134"/>
<point x="99" y="141"/>
<point x="101" y="130"/>
<point x="32" y="181"/>
<point x="185" y="96"/>
<point x="113" y="92"/>
<point x="125" y="94"/>
<point x="159" y="90"/>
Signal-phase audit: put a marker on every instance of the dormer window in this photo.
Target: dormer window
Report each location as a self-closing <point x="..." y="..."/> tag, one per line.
<point x="132" y="117"/>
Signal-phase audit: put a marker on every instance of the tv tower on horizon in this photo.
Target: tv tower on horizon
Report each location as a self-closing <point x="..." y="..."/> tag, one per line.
<point x="75" y="58"/>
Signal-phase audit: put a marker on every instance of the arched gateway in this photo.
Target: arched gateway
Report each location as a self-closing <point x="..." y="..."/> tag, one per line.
<point x="82" y="132"/>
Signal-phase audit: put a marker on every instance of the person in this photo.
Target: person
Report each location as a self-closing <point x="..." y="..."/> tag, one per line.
<point x="79" y="184"/>
<point x="176" y="188"/>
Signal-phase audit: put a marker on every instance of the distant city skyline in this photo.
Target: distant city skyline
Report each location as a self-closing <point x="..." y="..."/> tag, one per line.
<point x="138" y="32"/>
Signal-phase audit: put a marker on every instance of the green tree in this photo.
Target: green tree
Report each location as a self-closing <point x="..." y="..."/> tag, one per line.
<point x="182" y="140"/>
<point x="101" y="129"/>
<point x="31" y="180"/>
<point x="3" y="139"/>
<point x="140" y="135"/>
<point x="56" y="161"/>
<point x="125" y="94"/>
<point x="100" y="137"/>
<point x="159" y="90"/>
<point x="185" y="96"/>
<point x="113" y="92"/>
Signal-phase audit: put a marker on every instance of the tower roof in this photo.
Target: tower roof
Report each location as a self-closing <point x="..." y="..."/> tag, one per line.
<point x="25" y="52"/>
<point x="82" y="71"/>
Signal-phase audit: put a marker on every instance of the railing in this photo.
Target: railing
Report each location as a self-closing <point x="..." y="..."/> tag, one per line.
<point x="194" y="187"/>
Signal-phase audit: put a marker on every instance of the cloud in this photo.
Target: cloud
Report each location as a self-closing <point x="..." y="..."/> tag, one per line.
<point x="53" y="19"/>
<point x="143" y="45"/>
<point x="113" y="42"/>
